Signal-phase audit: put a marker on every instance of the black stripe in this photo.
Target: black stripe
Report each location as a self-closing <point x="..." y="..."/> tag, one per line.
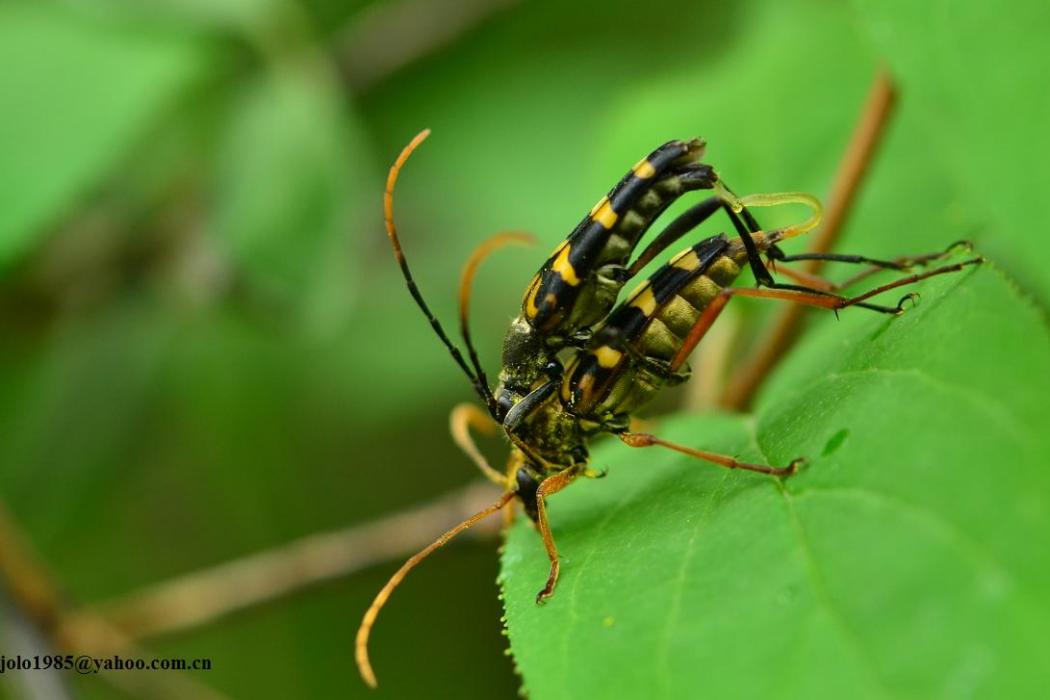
<point x="588" y="365"/>
<point x="627" y="323"/>
<point x="622" y="325"/>
<point x="589" y="239"/>
<point x="669" y="280"/>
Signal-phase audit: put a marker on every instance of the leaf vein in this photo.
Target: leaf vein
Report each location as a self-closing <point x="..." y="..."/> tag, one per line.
<point x="675" y="605"/>
<point x="974" y="550"/>
<point x="819" y="588"/>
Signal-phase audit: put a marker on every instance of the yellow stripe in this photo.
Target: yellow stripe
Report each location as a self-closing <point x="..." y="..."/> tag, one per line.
<point x="570" y="370"/>
<point x="607" y="357"/>
<point x="563" y="267"/>
<point x="530" y="298"/>
<point x="644" y="169"/>
<point x="638" y="289"/>
<point x="686" y="260"/>
<point x="645" y="301"/>
<point x="603" y="213"/>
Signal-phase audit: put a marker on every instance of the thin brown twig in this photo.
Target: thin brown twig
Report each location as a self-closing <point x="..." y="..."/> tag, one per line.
<point x="855" y="164"/>
<point x="31" y="588"/>
<point x="28" y="584"/>
<point x="205" y="596"/>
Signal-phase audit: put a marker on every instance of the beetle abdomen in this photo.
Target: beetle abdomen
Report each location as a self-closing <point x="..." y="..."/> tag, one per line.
<point x="628" y="359"/>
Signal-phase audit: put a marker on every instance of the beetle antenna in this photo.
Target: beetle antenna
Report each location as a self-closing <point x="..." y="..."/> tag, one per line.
<point x="391" y="232"/>
<point x="466" y="281"/>
<point x="361" y="644"/>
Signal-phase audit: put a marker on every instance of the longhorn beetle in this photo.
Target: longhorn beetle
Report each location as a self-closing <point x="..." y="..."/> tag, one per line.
<point x="574" y="367"/>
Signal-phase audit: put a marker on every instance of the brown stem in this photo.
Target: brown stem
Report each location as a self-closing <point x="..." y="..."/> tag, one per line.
<point x="31" y="589"/>
<point x="204" y="596"/>
<point x="745" y="383"/>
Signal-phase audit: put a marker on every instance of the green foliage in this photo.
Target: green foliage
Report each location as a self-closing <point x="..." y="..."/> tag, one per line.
<point x="285" y="195"/>
<point x="901" y="562"/>
<point x="898" y="563"/>
<point x="71" y="110"/>
<point x="982" y="108"/>
<point x="208" y="350"/>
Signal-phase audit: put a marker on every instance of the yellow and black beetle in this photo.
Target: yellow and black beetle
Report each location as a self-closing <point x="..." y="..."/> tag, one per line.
<point x="573" y="366"/>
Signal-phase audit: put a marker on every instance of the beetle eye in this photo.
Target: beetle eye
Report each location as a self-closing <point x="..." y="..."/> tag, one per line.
<point x="504" y="404"/>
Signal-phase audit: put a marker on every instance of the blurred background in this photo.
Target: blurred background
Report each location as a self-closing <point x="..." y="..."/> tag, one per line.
<point x="207" y="350"/>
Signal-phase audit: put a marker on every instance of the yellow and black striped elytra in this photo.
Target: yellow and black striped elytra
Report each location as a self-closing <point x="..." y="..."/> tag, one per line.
<point x="573" y="366"/>
<point x="579" y="283"/>
<point x="627" y="360"/>
<point x="581" y="279"/>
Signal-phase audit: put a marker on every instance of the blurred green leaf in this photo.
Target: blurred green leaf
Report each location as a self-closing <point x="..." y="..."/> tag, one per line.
<point x="288" y="191"/>
<point x="75" y="95"/>
<point x="897" y="564"/>
<point x="67" y="411"/>
<point x="144" y="437"/>
<point x="983" y="111"/>
<point x="771" y="122"/>
<point x="900" y="562"/>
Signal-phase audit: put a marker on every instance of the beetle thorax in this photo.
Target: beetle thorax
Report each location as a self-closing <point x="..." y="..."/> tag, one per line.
<point x="524" y="358"/>
<point x="554" y="434"/>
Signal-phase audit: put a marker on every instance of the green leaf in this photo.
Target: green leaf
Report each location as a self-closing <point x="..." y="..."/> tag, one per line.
<point x="75" y="94"/>
<point x="898" y="563"/>
<point x="289" y="188"/>
<point x="982" y="106"/>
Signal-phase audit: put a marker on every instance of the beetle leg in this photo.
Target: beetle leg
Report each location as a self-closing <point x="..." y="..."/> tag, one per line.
<point x="843" y="302"/>
<point x="464" y="417"/>
<point x="681" y="225"/>
<point x="808" y="296"/>
<point x="903" y="264"/>
<point x="647" y="440"/>
<point x="514" y="462"/>
<point x="548" y="487"/>
<point x="743" y="221"/>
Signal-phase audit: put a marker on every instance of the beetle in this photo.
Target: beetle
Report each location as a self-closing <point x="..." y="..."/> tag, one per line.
<point x="576" y="365"/>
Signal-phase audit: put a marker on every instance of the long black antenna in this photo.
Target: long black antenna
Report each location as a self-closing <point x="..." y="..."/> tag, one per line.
<point x="391" y="231"/>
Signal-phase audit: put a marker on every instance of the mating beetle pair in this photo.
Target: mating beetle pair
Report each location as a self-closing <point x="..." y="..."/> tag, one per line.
<point x="575" y="364"/>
